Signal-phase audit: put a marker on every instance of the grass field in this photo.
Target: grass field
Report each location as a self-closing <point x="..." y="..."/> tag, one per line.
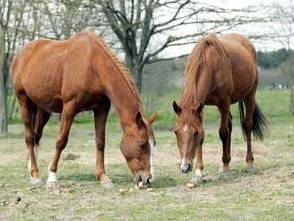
<point x="266" y="194"/>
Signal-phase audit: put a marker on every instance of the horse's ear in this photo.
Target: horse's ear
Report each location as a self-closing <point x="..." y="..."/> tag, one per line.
<point x="139" y="121"/>
<point x="152" y="118"/>
<point x="177" y="108"/>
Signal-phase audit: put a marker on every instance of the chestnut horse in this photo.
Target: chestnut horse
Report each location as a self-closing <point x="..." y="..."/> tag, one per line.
<point x="220" y="71"/>
<point x="80" y="74"/>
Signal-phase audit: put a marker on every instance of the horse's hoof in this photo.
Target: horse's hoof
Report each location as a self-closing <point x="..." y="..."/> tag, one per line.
<point x="224" y="170"/>
<point x="251" y="169"/>
<point x="197" y="180"/>
<point x="224" y="174"/>
<point x="106" y="184"/>
<point x="35" y="181"/>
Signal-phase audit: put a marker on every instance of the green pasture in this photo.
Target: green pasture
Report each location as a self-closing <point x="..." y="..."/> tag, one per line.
<point x="264" y="194"/>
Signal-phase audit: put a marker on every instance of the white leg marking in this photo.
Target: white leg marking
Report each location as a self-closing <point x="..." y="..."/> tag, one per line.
<point x="198" y="172"/>
<point x="198" y="177"/>
<point x="51" y="176"/>
<point x="152" y="150"/>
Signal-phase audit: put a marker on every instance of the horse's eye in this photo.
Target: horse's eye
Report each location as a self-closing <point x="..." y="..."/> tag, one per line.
<point x="143" y="144"/>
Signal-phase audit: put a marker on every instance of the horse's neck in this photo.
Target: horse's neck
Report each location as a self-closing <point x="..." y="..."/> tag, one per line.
<point x="124" y="98"/>
<point x="199" y="93"/>
<point x="203" y="87"/>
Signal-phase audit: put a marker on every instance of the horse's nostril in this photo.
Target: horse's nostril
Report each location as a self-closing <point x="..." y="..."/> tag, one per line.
<point x="149" y="180"/>
<point x="189" y="168"/>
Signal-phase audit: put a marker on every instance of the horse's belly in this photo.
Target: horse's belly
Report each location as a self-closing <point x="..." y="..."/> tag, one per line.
<point x="54" y="105"/>
<point x="50" y="104"/>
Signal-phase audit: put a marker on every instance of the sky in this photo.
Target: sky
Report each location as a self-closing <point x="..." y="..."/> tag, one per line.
<point x="250" y="29"/>
<point x="244" y="3"/>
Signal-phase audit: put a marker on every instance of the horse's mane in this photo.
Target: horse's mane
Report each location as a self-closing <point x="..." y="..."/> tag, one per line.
<point x="123" y="69"/>
<point x="194" y="67"/>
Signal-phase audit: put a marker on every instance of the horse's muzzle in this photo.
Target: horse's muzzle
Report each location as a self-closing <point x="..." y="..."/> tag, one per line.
<point x="142" y="182"/>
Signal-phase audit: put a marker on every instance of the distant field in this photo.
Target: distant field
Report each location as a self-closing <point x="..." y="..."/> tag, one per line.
<point x="275" y="105"/>
<point x="266" y="194"/>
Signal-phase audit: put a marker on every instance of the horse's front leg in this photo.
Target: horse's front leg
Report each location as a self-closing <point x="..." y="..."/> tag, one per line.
<point x="100" y="115"/>
<point x="199" y="167"/>
<point x="67" y="117"/>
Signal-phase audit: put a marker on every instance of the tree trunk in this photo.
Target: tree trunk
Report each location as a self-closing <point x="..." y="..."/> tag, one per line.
<point x="3" y="91"/>
<point x="139" y="78"/>
<point x="137" y="70"/>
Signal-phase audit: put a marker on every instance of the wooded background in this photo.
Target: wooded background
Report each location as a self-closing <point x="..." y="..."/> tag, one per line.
<point x="146" y="34"/>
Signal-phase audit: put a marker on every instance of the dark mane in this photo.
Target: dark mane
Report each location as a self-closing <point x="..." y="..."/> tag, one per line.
<point x="120" y="66"/>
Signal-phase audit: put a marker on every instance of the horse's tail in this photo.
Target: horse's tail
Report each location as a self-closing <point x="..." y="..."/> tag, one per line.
<point x="260" y="122"/>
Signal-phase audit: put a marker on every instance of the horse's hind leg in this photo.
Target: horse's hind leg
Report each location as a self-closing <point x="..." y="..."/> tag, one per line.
<point x="28" y="113"/>
<point x="225" y="134"/>
<point x="248" y="125"/>
<point x="100" y="115"/>
<point x="67" y="116"/>
<point x="41" y="120"/>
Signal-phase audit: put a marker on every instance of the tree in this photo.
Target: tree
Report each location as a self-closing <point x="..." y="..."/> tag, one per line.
<point x="283" y="15"/>
<point x="11" y="13"/>
<point x="273" y="59"/>
<point x="146" y="28"/>
<point x="67" y="17"/>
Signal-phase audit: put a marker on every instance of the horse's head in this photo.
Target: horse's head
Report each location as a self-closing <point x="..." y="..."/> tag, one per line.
<point x="189" y="133"/>
<point x="137" y="146"/>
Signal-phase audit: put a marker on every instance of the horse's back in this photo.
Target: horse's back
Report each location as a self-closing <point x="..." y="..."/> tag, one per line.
<point x="243" y="41"/>
<point x="50" y="71"/>
<point x="242" y="57"/>
<point x="232" y="62"/>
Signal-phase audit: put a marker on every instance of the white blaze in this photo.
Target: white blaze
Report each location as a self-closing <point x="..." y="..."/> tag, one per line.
<point x="183" y="162"/>
<point x="152" y="150"/>
<point x="185" y="128"/>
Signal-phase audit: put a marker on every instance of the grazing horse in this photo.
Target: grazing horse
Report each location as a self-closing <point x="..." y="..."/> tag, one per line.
<point x="80" y="74"/>
<point x="220" y="71"/>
